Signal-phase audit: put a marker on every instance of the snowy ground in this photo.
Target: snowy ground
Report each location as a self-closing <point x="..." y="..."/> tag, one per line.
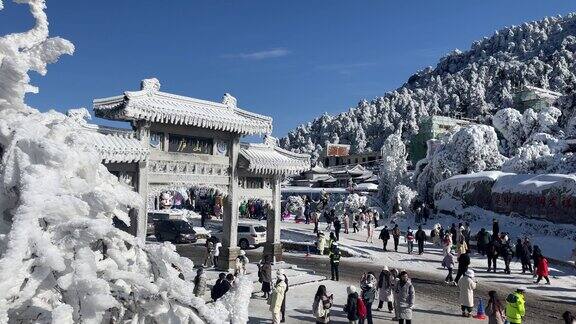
<point x="562" y="276"/>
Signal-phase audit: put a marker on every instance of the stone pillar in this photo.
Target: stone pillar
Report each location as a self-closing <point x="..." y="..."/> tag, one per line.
<point x="230" y="248"/>
<point x="273" y="247"/>
<point x="139" y="225"/>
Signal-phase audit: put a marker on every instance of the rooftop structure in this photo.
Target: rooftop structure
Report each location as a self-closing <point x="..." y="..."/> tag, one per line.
<point x="432" y="127"/>
<point x="529" y="97"/>
<point x="150" y="104"/>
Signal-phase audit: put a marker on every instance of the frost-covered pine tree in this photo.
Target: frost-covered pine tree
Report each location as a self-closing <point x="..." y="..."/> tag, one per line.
<point x="393" y="166"/>
<point x="61" y="258"/>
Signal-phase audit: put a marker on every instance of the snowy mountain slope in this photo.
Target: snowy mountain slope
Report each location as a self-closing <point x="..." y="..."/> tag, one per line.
<point x="472" y="84"/>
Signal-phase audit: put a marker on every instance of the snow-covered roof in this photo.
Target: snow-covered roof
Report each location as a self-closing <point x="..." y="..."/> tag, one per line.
<point x="268" y="158"/>
<point x="115" y="144"/>
<point x="543" y="93"/>
<point x="152" y="105"/>
<point x="319" y="169"/>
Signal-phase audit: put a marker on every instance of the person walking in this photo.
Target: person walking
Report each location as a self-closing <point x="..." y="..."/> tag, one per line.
<point x="536" y="254"/>
<point x="492" y="254"/>
<point x="384" y="236"/>
<point x="370" y="229"/>
<point x="316" y="220"/>
<point x="346" y="221"/>
<point x="495" y="229"/>
<point x="482" y="240"/>
<point x="435" y="235"/>
<point x="280" y="274"/>
<point x="542" y="270"/>
<point x="462" y="247"/>
<point x="396" y="236"/>
<point x="216" y="253"/>
<point x="515" y="306"/>
<point x="337" y="227"/>
<point x="453" y="232"/>
<point x="463" y="263"/>
<point x="447" y="244"/>
<point x="277" y="297"/>
<point x="420" y="239"/>
<point x="466" y="233"/>
<point x="368" y="286"/>
<point x="241" y="263"/>
<point x="208" y="259"/>
<point x="200" y="283"/>
<point x="506" y="252"/>
<point x="335" y="262"/>
<point x="355" y="223"/>
<point x="320" y="243"/>
<point x="527" y="246"/>
<point x="265" y="272"/>
<point x="321" y="305"/>
<point x="404" y="297"/>
<point x="409" y="239"/>
<point x="494" y="309"/>
<point x="385" y="287"/>
<point x="466" y="286"/>
<point x="448" y="263"/>
<point x="351" y="307"/>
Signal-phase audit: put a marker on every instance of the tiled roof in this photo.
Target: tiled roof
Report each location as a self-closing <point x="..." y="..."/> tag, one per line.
<point x="115" y="144"/>
<point x="271" y="159"/>
<point x="152" y="105"/>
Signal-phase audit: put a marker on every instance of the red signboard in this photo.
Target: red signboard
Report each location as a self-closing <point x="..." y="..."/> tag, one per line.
<point x="337" y="150"/>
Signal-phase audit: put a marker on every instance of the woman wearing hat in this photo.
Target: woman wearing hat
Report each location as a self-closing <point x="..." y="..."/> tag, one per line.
<point x="466" y="286"/>
<point x="385" y="286"/>
<point x="277" y="297"/>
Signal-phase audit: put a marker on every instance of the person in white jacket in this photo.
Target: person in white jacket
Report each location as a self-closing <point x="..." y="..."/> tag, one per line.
<point x="466" y="286"/>
<point x="277" y="297"/>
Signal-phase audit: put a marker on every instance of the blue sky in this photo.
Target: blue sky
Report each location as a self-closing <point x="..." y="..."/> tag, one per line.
<point x="292" y="60"/>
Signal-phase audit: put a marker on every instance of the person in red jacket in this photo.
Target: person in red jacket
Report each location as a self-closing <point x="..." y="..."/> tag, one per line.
<point x="542" y="270"/>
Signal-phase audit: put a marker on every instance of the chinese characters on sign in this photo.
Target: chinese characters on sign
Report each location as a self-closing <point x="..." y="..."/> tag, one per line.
<point x="188" y="144"/>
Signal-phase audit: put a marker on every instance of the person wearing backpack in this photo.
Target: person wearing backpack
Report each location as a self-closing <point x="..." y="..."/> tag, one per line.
<point x="396" y="236"/>
<point x="409" y="240"/>
<point x="368" y="286"/>
<point x="351" y="308"/>
<point x="515" y="309"/>
<point x="322" y="304"/>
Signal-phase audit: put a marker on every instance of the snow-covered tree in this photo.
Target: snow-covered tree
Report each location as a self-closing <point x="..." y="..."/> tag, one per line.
<point x="473" y="83"/>
<point x="400" y="202"/>
<point x="471" y="149"/>
<point x="393" y="166"/>
<point x="61" y="258"/>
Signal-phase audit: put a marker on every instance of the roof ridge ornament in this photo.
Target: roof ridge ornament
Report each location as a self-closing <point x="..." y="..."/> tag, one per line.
<point x="230" y="101"/>
<point x="79" y="115"/>
<point x="150" y="85"/>
<point x="270" y="140"/>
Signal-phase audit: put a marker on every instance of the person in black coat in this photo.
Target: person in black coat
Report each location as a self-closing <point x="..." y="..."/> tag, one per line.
<point x="492" y="251"/>
<point x="337" y="227"/>
<point x="506" y="252"/>
<point x="495" y="229"/>
<point x="454" y="233"/>
<point x="420" y="239"/>
<point x="463" y="263"/>
<point x="351" y="307"/>
<point x="384" y="236"/>
<point x="221" y="287"/>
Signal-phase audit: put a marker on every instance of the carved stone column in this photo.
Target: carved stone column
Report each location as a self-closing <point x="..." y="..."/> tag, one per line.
<point x="138" y="226"/>
<point x="230" y="250"/>
<point x="273" y="247"/>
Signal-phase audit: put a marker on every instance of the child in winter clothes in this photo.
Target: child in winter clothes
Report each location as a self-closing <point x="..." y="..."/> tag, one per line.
<point x="466" y="286"/>
<point x="448" y="263"/>
<point x="409" y="240"/>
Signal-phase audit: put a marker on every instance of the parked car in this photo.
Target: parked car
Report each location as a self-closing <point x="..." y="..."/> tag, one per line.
<point x="175" y="231"/>
<point x="248" y="235"/>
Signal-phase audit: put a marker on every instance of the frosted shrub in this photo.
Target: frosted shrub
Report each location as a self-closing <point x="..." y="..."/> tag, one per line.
<point x="62" y="260"/>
